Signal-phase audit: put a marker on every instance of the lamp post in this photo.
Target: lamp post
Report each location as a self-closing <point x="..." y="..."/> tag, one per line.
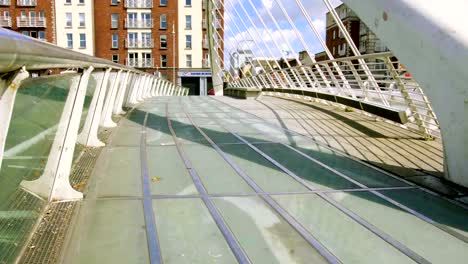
<point x="173" y="53"/>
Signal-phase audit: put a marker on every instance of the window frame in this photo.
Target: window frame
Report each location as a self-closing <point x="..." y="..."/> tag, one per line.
<point x="163" y="61"/>
<point x="115" y="41"/>
<point x="188" y="58"/>
<point x="188" y="42"/>
<point x="161" y="37"/>
<point x="115" y="15"/>
<point x="69" y="40"/>
<point x="82" y="40"/>
<point x="161" y="20"/>
<point x="68" y="19"/>
<point x="82" y="15"/>
<point x="188" y="22"/>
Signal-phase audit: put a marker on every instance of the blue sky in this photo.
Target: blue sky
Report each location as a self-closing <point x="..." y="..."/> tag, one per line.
<point x="237" y="30"/>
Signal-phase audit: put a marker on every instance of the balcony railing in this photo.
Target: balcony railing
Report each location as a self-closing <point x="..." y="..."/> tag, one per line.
<point x="31" y="22"/>
<point x="5" y="2"/>
<point x="140" y="63"/>
<point x="139" y="23"/>
<point x="139" y="43"/>
<point x="5" y="21"/>
<point x="26" y="2"/>
<point x="138" y="3"/>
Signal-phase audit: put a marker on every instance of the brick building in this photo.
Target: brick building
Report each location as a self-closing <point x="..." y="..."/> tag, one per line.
<point x="366" y="41"/>
<point x="164" y="37"/>
<point x="34" y="18"/>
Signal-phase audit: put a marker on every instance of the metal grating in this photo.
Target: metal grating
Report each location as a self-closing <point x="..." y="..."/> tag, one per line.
<point x="47" y="242"/>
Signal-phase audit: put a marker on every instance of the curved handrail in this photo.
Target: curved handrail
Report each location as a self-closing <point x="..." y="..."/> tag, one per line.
<point x="17" y="50"/>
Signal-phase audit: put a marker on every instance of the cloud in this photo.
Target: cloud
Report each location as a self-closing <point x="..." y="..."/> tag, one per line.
<point x="316" y="9"/>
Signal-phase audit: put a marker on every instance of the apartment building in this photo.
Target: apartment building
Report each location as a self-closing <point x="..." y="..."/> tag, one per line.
<point x="366" y="41"/>
<point x="75" y="25"/>
<point x="164" y="37"/>
<point x="34" y="18"/>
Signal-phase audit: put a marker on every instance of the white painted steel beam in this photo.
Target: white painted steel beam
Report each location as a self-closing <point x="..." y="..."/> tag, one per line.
<point x="431" y="40"/>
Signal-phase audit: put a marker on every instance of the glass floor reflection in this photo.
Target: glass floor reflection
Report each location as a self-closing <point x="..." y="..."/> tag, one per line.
<point x="195" y="180"/>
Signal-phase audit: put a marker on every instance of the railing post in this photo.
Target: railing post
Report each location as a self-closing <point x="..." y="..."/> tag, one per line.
<point x="149" y="93"/>
<point x="106" y="119"/>
<point x="141" y="88"/>
<point x="89" y="133"/>
<point x="132" y="99"/>
<point x="54" y="184"/>
<point x="121" y="94"/>
<point x="153" y="88"/>
<point x="164" y="88"/>
<point x="8" y="88"/>
<point x="149" y="82"/>
<point x="158" y="87"/>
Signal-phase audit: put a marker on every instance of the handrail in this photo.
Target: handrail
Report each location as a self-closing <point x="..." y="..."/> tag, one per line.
<point x="17" y="50"/>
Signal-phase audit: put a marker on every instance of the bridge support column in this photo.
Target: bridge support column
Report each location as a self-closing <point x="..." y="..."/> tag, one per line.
<point x="431" y="40"/>
<point x="8" y="89"/>
<point x="106" y="119"/>
<point x="121" y="94"/>
<point x="54" y="184"/>
<point x="89" y="133"/>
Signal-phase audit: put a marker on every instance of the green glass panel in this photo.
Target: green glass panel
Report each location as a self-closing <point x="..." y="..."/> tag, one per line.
<point x="188" y="234"/>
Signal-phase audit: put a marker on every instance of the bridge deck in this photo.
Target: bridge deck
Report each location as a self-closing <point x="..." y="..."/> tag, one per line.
<point x="196" y="180"/>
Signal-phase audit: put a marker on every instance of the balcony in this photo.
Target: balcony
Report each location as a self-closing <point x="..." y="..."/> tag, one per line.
<point x="26" y="2"/>
<point x="140" y="63"/>
<point x="139" y="43"/>
<point x="5" y="2"/>
<point x="138" y="23"/>
<point x="5" y="21"/>
<point x="138" y="3"/>
<point x="39" y="22"/>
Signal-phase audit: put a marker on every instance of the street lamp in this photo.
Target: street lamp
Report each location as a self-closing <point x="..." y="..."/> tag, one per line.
<point x="173" y="53"/>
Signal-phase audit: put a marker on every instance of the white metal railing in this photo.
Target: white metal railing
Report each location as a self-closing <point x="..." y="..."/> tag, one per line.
<point x="121" y="86"/>
<point x="26" y="2"/>
<point x="5" y="2"/>
<point x="139" y="43"/>
<point x="140" y="63"/>
<point x="393" y="85"/>
<point x="138" y="3"/>
<point x="139" y="23"/>
<point x="5" y="21"/>
<point x="31" y="22"/>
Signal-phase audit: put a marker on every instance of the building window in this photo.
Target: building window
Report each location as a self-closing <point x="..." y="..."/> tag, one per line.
<point x="163" y="61"/>
<point x="70" y="40"/>
<point x="114" y="20"/>
<point x="163" y="41"/>
<point x="68" y="2"/>
<point x="188" y="22"/>
<point x="41" y="35"/>
<point x="333" y="52"/>
<point x="334" y="34"/>
<point x="81" y="2"/>
<point x="68" y="19"/>
<point x="115" y="41"/>
<point x="163" y="21"/>
<point x="188" y="60"/>
<point x="114" y="2"/>
<point x="188" y="41"/>
<point x="82" y="40"/>
<point x="188" y="2"/>
<point x="162" y="2"/>
<point x="115" y="58"/>
<point x="82" y="19"/>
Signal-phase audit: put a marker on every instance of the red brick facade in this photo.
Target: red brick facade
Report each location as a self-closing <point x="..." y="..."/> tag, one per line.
<point x="103" y="34"/>
<point x="28" y="25"/>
